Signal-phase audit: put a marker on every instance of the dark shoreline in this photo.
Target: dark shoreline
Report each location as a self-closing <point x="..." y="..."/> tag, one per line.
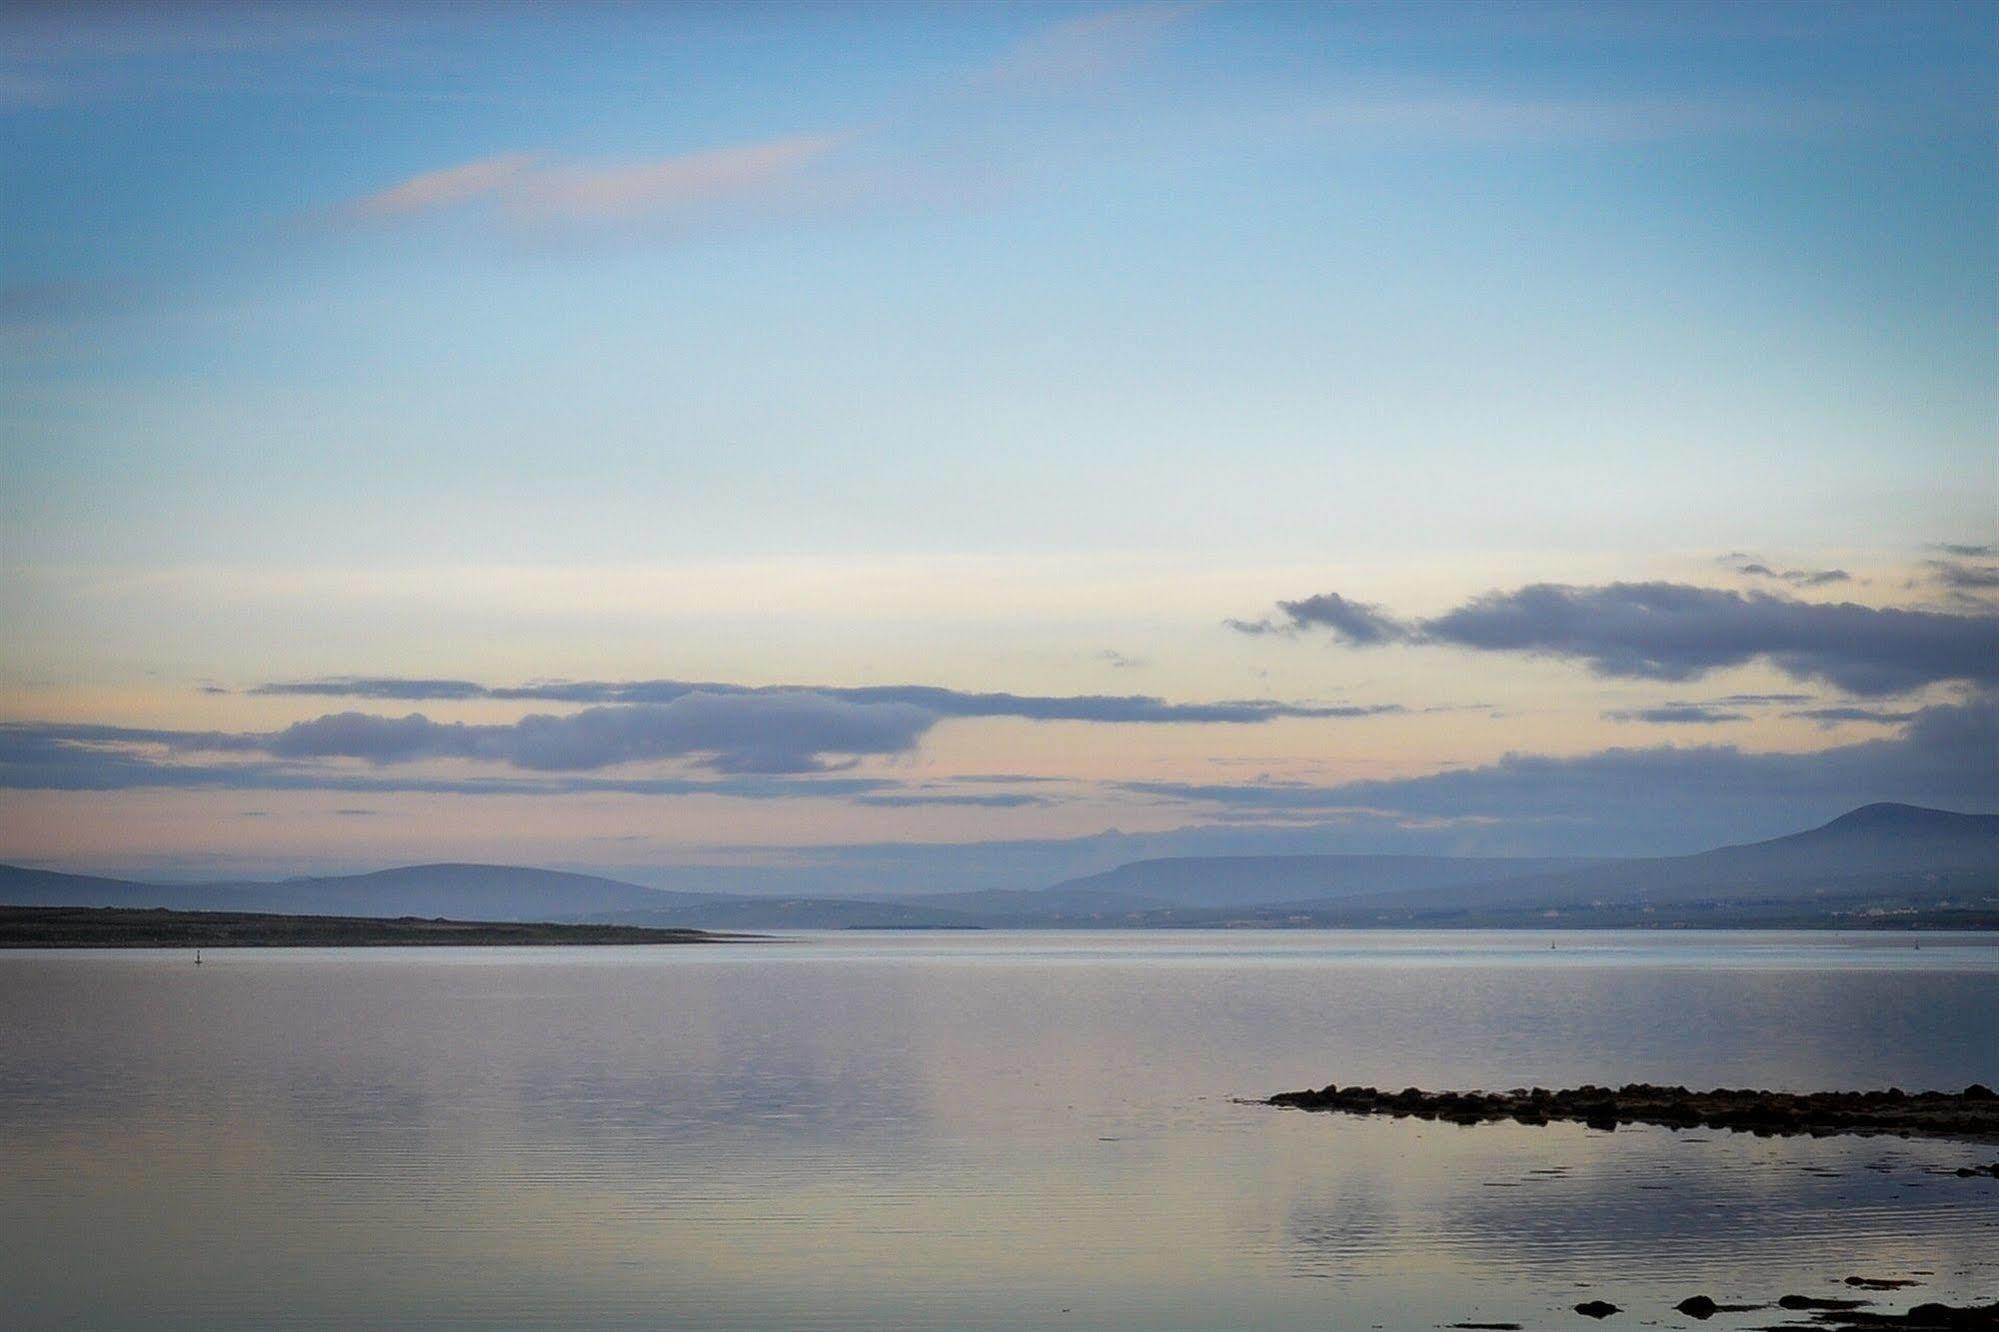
<point x="123" y="927"/>
<point x="1971" y="1115"/>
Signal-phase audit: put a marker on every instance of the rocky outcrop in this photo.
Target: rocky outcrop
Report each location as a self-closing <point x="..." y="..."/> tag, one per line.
<point x="1969" y="1115"/>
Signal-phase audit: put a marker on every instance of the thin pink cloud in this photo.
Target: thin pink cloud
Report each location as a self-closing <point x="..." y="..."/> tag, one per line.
<point x="644" y="190"/>
<point x="537" y="191"/>
<point x="432" y="191"/>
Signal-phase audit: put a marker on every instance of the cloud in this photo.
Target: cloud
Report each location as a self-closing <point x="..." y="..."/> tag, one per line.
<point x="386" y="687"/>
<point x="1753" y="568"/>
<point x="729" y="729"/>
<point x="806" y="173"/>
<point x="1960" y="576"/>
<point x="1969" y="552"/>
<point x="1710" y="712"/>
<point x="1135" y="709"/>
<point x="1084" y="51"/>
<point x="447" y="187"/>
<point x="1665" y="797"/>
<point x="790" y="732"/>
<point x="533" y="191"/>
<point x="1679" y="714"/>
<point x="976" y="800"/>
<point x="49" y="756"/>
<point x="1674" y="631"/>
<point x="1351" y="621"/>
<point x="1833" y="716"/>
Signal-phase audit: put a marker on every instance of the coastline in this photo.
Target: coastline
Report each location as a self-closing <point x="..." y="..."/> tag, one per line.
<point x="124" y="927"/>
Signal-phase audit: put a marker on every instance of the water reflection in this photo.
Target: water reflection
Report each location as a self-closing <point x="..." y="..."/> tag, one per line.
<point x="966" y="1131"/>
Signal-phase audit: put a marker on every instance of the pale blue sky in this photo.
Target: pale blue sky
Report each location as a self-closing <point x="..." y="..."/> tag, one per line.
<point x="631" y="341"/>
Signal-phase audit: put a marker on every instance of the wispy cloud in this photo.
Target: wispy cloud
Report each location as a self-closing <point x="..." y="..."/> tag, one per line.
<point x="532" y="191"/>
<point x="812" y="172"/>
<point x="1836" y="715"/>
<point x="974" y="800"/>
<point x="1963" y="576"/>
<point x="1678" y="714"/>
<point x="1135" y="709"/>
<point x="1751" y="567"/>
<point x="433" y="191"/>
<point x="1502" y="117"/>
<point x="1085" y="51"/>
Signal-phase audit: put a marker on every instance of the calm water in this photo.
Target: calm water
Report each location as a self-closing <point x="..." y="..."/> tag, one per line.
<point x="986" y="1130"/>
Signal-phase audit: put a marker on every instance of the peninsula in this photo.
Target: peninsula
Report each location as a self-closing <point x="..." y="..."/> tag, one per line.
<point x="121" y="927"/>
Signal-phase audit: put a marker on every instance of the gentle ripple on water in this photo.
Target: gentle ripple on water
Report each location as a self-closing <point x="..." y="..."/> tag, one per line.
<point x="961" y="1131"/>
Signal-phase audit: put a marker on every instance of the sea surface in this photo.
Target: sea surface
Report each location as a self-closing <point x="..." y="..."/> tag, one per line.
<point x="966" y="1130"/>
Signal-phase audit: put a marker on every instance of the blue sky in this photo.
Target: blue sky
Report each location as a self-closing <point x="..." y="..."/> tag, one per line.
<point x="982" y="348"/>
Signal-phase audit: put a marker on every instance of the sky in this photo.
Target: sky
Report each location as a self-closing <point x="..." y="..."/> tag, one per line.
<point x="913" y="446"/>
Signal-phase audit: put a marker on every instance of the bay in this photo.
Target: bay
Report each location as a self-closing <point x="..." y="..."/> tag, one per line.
<point x="1037" y="1129"/>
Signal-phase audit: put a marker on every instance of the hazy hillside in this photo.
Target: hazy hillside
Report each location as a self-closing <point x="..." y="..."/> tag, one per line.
<point x="1894" y="855"/>
<point x="1878" y="849"/>
<point x="459" y="892"/>
<point x="1227" y="881"/>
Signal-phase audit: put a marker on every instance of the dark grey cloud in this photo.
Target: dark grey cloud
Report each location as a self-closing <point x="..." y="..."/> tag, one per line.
<point x="1986" y="552"/>
<point x="1634" y="800"/>
<point x="735" y="733"/>
<point x="63" y="757"/>
<point x="1678" y="714"/>
<point x="1354" y="622"/>
<point x="728" y="729"/>
<point x="1672" y="631"/>
<point x="1754" y="568"/>
<point x="1675" y="631"/>
<point x="1138" y="709"/>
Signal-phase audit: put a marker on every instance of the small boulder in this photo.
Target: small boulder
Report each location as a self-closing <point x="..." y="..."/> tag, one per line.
<point x="1597" y="1309"/>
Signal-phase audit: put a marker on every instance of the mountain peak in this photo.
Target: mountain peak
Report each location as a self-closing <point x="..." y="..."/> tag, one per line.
<point x="1887" y="816"/>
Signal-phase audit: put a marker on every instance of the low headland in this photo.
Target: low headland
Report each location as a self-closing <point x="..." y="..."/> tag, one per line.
<point x="1971" y="1115"/>
<point x="120" y="927"/>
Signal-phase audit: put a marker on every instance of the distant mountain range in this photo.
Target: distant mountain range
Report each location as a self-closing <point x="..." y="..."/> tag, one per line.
<point x="1879" y="865"/>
